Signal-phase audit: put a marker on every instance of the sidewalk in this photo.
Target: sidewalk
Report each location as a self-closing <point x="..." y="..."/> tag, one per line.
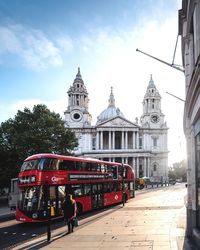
<point x="138" y="225"/>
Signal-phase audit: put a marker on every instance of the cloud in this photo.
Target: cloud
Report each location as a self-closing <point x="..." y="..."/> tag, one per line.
<point x="65" y="43"/>
<point x="57" y="106"/>
<point x="32" y="47"/>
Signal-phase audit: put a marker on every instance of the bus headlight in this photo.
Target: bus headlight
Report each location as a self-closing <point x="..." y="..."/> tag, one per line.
<point x="34" y="216"/>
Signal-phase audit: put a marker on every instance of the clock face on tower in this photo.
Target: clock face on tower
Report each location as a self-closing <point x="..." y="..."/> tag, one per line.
<point x="76" y="115"/>
<point x="155" y="118"/>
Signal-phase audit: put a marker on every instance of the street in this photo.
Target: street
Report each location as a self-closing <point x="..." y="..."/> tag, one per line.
<point x="147" y="218"/>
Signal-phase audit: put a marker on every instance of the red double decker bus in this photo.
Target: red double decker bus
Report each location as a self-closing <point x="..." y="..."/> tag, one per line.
<point x="45" y="179"/>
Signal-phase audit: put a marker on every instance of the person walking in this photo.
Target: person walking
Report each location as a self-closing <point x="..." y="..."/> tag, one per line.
<point x="69" y="211"/>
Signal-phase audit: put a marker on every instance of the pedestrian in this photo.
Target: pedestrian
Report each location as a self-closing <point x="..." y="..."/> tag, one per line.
<point x="69" y="210"/>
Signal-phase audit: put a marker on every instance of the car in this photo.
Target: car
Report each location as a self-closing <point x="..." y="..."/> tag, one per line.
<point x="172" y="181"/>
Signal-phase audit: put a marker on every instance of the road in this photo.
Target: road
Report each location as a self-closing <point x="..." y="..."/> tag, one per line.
<point x="13" y="233"/>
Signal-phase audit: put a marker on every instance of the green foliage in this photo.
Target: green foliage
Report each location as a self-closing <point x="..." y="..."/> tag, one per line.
<point x="178" y="171"/>
<point x="31" y="132"/>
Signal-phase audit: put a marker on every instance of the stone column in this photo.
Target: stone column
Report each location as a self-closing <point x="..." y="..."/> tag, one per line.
<point x="101" y="140"/>
<point x="126" y="140"/>
<point x="137" y="139"/>
<point x="133" y="139"/>
<point x="113" y="139"/>
<point x="122" y="143"/>
<point x="97" y="140"/>
<point x="145" y="166"/>
<point x="148" y="166"/>
<point x="109" y="140"/>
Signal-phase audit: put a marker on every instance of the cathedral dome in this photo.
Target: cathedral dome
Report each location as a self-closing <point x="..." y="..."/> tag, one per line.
<point x="111" y="110"/>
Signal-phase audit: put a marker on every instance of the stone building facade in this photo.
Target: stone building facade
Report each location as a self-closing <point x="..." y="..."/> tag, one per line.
<point x="189" y="29"/>
<point x="142" y="144"/>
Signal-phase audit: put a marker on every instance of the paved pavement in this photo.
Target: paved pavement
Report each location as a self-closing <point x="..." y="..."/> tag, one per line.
<point x="138" y="225"/>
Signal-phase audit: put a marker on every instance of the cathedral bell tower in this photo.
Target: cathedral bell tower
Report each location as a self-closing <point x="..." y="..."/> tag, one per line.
<point x="152" y="115"/>
<point x="77" y="114"/>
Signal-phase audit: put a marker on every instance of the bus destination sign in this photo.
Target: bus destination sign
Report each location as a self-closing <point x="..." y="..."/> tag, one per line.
<point x="74" y="177"/>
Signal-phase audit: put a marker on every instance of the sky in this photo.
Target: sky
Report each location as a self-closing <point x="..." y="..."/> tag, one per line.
<point x="42" y="44"/>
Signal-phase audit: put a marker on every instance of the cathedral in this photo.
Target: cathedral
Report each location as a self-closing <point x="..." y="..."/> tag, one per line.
<point x="141" y="144"/>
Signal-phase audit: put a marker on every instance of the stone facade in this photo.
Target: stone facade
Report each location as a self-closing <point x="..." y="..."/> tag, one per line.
<point x="189" y="29"/>
<point x="142" y="144"/>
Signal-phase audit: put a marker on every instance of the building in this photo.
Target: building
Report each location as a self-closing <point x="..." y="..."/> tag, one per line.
<point x="189" y="29"/>
<point x="115" y="138"/>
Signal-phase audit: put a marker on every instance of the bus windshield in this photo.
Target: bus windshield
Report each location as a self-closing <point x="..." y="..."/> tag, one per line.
<point x="40" y="164"/>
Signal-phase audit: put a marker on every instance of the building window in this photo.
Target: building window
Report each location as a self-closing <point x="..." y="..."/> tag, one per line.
<point x="93" y="143"/>
<point x="154" y="167"/>
<point x="153" y="104"/>
<point x="140" y="141"/>
<point x="155" y="142"/>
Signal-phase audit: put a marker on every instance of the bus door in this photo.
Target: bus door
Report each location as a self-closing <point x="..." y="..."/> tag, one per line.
<point x="97" y="195"/>
<point x="57" y="195"/>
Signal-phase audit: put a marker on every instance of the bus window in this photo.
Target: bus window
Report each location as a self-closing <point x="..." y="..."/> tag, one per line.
<point x="94" y="189"/>
<point x="77" y="190"/>
<point x="52" y="192"/>
<point x="98" y="167"/>
<point x="87" y="189"/>
<point x="103" y="168"/>
<point x="88" y="166"/>
<point x="125" y="186"/>
<point x="105" y="187"/>
<point x="49" y="164"/>
<point x="61" y="196"/>
<point x="67" y="165"/>
<point x="120" y="172"/>
<point x="29" y="165"/>
<point x="109" y="168"/>
<point x="108" y="187"/>
<point x="117" y="186"/>
<point x="61" y="191"/>
<point x="94" y="167"/>
<point x="81" y="165"/>
<point x="115" y="172"/>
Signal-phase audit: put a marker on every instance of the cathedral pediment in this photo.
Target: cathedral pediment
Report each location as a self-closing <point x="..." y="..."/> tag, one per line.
<point x="118" y="122"/>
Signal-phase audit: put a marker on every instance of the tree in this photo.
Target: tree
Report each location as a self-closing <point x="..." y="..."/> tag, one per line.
<point x="178" y="171"/>
<point x="32" y="132"/>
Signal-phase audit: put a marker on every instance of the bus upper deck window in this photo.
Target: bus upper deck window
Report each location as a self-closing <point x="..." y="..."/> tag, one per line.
<point x="114" y="172"/>
<point x="67" y="165"/>
<point x="29" y="165"/>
